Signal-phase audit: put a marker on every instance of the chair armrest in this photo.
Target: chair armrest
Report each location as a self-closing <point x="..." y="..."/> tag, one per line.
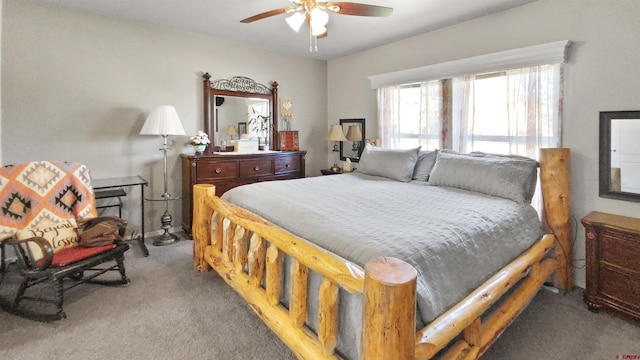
<point x="45" y="248"/>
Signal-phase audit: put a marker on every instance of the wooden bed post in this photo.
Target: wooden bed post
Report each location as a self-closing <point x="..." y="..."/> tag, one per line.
<point x="389" y="312"/>
<point x="201" y="224"/>
<point x="554" y="178"/>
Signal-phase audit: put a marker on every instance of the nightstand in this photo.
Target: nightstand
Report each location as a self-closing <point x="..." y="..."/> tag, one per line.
<point x="613" y="263"/>
<point x="329" y="172"/>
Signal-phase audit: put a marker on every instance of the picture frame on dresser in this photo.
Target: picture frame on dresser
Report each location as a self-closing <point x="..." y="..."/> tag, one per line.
<point x="289" y="140"/>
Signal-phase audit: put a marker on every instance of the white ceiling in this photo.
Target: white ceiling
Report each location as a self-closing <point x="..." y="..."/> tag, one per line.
<point x="346" y="35"/>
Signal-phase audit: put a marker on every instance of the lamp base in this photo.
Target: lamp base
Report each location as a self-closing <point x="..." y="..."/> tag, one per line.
<point x="167" y="238"/>
<point x="335" y="168"/>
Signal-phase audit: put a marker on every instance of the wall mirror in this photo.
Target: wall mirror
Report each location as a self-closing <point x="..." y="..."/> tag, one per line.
<point x="228" y="104"/>
<point x="620" y="155"/>
<point x="354" y="132"/>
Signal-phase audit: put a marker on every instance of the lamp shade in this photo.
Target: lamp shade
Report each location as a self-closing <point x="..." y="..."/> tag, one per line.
<point x="162" y="120"/>
<point x="295" y="21"/>
<point x="231" y="130"/>
<point x="336" y="134"/>
<point x="354" y="133"/>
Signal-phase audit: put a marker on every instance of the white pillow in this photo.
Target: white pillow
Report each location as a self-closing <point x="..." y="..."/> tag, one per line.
<point x="60" y="236"/>
<point x="424" y="164"/>
<point x="397" y="164"/>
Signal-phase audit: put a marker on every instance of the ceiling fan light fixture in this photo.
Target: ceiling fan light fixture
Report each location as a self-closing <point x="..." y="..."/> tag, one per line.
<point x="295" y="21"/>
<point x="318" y="17"/>
<point x="318" y="30"/>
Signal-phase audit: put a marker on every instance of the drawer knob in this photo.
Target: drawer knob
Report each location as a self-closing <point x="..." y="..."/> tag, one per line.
<point x="257" y="168"/>
<point x="287" y="165"/>
<point x="218" y="170"/>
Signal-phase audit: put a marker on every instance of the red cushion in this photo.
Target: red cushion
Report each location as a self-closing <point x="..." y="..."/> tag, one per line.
<point x="70" y="255"/>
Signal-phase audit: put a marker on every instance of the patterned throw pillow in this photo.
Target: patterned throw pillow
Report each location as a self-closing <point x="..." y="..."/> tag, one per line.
<point x="62" y="235"/>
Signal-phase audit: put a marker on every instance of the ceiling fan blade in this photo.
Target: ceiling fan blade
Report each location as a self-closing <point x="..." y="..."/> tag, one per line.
<point x="349" y="8"/>
<point x="267" y="14"/>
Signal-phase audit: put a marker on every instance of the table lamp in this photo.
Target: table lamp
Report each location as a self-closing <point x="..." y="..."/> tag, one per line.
<point x="336" y="134"/>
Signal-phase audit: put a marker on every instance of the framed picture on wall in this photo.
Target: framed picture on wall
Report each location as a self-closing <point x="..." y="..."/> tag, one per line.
<point x="242" y="128"/>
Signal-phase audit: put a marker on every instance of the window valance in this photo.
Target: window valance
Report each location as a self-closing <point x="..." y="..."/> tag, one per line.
<point x="550" y="53"/>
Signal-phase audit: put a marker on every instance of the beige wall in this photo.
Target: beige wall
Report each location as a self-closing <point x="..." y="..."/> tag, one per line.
<point x="78" y="87"/>
<point x="601" y="75"/>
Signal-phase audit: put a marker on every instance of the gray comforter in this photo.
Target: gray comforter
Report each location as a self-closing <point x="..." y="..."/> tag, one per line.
<point x="456" y="239"/>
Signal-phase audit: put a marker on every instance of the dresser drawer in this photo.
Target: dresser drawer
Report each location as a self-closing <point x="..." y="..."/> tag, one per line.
<point x="286" y="164"/>
<point x="252" y="168"/>
<point x="621" y="286"/>
<point x="616" y="249"/>
<point x="216" y="170"/>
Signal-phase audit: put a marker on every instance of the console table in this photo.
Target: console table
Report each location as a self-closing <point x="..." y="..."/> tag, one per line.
<point x="230" y="169"/>
<point x="114" y="188"/>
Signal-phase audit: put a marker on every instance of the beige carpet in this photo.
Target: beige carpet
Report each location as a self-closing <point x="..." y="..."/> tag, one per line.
<point x="170" y="312"/>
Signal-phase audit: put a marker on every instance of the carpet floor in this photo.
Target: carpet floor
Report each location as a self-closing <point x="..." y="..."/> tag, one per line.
<point x="170" y="312"/>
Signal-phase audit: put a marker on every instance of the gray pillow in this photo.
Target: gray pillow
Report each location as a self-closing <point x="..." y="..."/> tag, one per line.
<point x="504" y="176"/>
<point x="426" y="160"/>
<point x="397" y="164"/>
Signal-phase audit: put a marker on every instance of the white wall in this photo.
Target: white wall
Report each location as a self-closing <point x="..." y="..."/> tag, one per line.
<point x="601" y="75"/>
<point x="78" y="86"/>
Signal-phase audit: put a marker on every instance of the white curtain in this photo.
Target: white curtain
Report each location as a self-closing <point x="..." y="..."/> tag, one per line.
<point x="411" y="115"/>
<point x="389" y="116"/>
<point x="533" y="104"/>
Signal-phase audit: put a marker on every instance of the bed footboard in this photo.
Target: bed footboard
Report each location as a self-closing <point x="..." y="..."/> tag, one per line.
<point x="248" y="253"/>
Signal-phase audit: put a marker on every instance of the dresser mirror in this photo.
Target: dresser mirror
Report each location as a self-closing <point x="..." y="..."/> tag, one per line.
<point x="229" y="104"/>
<point x="353" y="130"/>
<point x="620" y="155"/>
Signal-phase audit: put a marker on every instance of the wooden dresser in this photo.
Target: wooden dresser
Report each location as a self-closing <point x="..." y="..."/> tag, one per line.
<point x="613" y="263"/>
<point x="229" y="170"/>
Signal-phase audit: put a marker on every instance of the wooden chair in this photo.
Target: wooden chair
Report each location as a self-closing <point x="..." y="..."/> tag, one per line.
<point x="44" y="206"/>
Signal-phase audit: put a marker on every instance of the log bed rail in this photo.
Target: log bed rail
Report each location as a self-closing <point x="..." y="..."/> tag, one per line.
<point x="248" y="252"/>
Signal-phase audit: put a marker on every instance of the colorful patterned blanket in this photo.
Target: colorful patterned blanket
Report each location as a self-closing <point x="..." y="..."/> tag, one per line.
<point x="40" y="194"/>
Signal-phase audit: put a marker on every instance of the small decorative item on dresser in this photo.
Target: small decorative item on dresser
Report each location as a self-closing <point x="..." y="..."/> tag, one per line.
<point x="289" y="141"/>
<point x="613" y="265"/>
<point x="200" y="142"/>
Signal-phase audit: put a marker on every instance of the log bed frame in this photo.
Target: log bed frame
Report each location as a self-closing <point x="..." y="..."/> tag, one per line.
<point x="247" y="251"/>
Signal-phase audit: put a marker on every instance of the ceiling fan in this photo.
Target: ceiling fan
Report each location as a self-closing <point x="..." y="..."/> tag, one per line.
<point x="315" y="13"/>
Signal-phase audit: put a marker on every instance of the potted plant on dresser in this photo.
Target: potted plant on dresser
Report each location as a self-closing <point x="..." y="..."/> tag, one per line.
<point x="260" y="125"/>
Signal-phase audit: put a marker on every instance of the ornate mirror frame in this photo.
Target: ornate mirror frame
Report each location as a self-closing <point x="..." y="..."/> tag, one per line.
<point x="238" y="86"/>
<point x="607" y="188"/>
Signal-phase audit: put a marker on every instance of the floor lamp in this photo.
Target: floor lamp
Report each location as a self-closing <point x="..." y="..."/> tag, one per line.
<point x="164" y="121"/>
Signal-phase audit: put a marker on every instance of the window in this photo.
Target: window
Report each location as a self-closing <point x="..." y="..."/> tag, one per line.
<point x="415" y="115"/>
<point x="509" y="112"/>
